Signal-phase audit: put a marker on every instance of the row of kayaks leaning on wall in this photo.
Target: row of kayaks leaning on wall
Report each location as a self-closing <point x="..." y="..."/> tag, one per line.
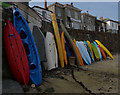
<point x="26" y="48"/>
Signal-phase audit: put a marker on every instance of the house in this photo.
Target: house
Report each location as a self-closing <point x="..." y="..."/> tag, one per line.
<point x="58" y="9"/>
<point x="100" y="25"/>
<point x="88" y="21"/>
<point x="112" y="26"/>
<point x="118" y="28"/>
<point x="70" y="15"/>
<point x="44" y="13"/>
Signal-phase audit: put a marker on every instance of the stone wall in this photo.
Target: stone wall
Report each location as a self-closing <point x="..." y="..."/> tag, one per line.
<point x="111" y="41"/>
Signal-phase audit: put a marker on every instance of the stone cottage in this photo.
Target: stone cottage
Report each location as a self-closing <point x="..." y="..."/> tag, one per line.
<point x="88" y="21"/>
<point x="70" y="15"/>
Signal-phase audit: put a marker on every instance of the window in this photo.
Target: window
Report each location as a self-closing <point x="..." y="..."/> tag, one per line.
<point x="116" y="26"/>
<point x="69" y="13"/>
<point x="44" y="14"/>
<point x="112" y="24"/>
<point x="58" y="12"/>
<point x="76" y="25"/>
<point x="90" y="28"/>
<point x="82" y="18"/>
<point x="76" y="15"/>
<point x="89" y="20"/>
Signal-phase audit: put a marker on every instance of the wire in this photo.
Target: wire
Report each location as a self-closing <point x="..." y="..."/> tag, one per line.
<point x="26" y="13"/>
<point x="50" y="21"/>
<point x="30" y="15"/>
<point x="45" y="18"/>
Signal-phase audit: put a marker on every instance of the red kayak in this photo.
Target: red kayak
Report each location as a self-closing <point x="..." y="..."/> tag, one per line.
<point x="102" y="52"/>
<point x="16" y="54"/>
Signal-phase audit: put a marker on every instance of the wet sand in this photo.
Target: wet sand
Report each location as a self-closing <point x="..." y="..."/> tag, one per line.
<point x="99" y="77"/>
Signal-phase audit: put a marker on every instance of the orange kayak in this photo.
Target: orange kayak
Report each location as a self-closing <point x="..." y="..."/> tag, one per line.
<point x="63" y="48"/>
<point x="79" y="55"/>
<point x="102" y="52"/>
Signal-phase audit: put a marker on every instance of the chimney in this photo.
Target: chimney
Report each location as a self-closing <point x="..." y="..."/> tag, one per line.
<point x="71" y="4"/>
<point x="45" y="4"/>
<point x="87" y="12"/>
<point x="101" y="18"/>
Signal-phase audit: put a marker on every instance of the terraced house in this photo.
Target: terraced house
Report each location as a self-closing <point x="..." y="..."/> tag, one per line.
<point x="100" y="25"/>
<point x="70" y="15"/>
<point x="88" y="21"/>
<point x="112" y="26"/>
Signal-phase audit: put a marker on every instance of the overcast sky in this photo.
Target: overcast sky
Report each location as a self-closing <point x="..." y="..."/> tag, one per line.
<point x="98" y="9"/>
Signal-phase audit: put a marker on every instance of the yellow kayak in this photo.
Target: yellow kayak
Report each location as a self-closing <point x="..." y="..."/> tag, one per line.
<point x="57" y="36"/>
<point x="63" y="48"/>
<point x="104" y="48"/>
<point x="74" y="40"/>
<point x="89" y="45"/>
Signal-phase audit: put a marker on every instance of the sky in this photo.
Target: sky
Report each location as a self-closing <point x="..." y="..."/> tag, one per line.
<point x="98" y="9"/>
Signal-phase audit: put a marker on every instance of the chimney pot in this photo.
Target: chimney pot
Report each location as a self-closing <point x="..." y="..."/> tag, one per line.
<point x="87" y="12"/>
<point x="71" y="4"/>
<point x="45" y="4"/>
<point x="101" y="18"/>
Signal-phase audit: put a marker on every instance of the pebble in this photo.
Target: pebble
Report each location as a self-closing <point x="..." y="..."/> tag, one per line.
<point x="33" y="85"/>
<point x="25" y="88"/>
<point x="67" y="72"/>
<point x="58" y="72"/>
<point x="110" y="87"/>
<point x="50" y="90"/>
<point x="100" y="89"/>
<point x="88" y="74"/>
<point x="105" y="76"/>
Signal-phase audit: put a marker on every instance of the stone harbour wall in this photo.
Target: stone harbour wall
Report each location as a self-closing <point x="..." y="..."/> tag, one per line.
<point x="111" y="41"/>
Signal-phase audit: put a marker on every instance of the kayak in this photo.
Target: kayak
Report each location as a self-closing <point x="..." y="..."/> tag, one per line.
<point x="89" y="51"/>
<point x="51" y="52"/>
<point x="102" y="52"/>
<point x="98" y="49"/>
<point x="16" y="54"/>
<point x="63" y="48"/>
<point x="96" y="53"/>
<point x="89" y="45"/>
<point x="104" y="48"/>
<point x="30" y="47"/>
<point x="84" y="52"/>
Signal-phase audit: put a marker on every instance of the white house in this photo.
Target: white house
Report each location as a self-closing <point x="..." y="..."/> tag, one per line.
<point x="44" y="13"/>
<point x="112" y="26"/>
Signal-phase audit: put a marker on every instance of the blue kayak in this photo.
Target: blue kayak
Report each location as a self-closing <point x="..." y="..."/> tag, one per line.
<point x="84" y="53"/>
<point x="98" y="50"/>
<point x="89" y="51"/>
<point x="30" y="47"/>
<point x="67" y="49"/>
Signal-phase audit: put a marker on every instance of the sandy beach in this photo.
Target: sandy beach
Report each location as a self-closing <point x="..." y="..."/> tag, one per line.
<point x="99" y="77"/>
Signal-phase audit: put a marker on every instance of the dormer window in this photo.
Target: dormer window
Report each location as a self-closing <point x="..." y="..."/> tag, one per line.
<point x="58" y="12"/>
<point x="76" y="14"/>
<point x="69" y="13"/>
